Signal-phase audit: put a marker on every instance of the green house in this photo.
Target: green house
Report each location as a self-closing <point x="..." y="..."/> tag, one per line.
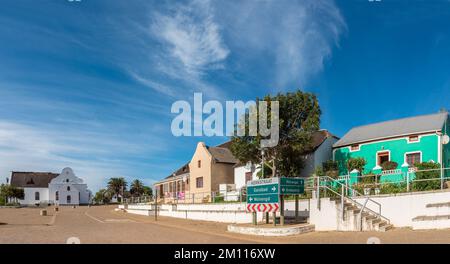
<point x="405" y="141"/>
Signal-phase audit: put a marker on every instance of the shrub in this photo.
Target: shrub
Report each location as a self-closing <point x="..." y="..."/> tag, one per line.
<point x="369" y="178"/>
<point x="424" y="175"/>
<point x="389" y="165"/>
<point x="330" y="168"/>
<point x="356" y="163"/>
<point x="391" y="188"/>
<point x="219" y="199"/>
<point x="359" y="187"/>
<point x="318" y="171"/>
<point x="330" y="165"/>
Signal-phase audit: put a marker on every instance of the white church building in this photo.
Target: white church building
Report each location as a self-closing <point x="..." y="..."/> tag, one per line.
<point x="51" y="188"/>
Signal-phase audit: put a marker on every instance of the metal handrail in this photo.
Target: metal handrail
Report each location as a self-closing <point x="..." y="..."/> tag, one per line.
<point x="354" y="201"/>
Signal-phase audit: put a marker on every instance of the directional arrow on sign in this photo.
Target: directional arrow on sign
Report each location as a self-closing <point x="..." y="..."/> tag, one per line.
<point x="251" y="199"/>
<point x="274" y="188"/>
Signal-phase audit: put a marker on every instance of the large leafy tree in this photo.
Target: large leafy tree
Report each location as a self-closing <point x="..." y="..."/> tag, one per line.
<point x="148" y="191"/>
<point x="8" y="191"/>
<point x="102" y="196"/>
<point x="136" y="188"/>
<point x="117" y="186"/>
<point x="299" y="117"/>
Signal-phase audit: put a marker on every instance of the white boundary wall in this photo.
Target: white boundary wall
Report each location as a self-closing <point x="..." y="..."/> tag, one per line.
<point x="402" y="208"/>
<point x="224" y="213"/>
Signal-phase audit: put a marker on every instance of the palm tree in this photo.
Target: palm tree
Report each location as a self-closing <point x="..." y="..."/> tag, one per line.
<point x="117" y="186"/>
<point x="137" y="188"/>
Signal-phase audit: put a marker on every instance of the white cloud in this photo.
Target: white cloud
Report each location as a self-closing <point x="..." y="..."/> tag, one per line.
<point x="295" y="37"/>
<point x="158" y="87"/>
<point x="192" y="35"/>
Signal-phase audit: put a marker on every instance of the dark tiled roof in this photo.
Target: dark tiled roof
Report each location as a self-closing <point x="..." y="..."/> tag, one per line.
<point x="393" y="128"/>
<point x="183" y="170"/>
<point x="32" y="179"/>
<point x="222" y="155"/>
<point x="319" y="137"/>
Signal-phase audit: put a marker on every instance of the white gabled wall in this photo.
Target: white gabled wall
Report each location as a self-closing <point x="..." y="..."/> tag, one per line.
<point x="29" y="196"/>
<point x="78" y="192"/>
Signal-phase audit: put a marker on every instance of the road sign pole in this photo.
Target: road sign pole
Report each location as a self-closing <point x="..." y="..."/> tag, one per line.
<point x="267" y="217"/>
<point x="255" y="222"/>
<point x="156" y="204"/>
<point x="274" y="218"/>
<point x="282" y="210"/>
<point x="296" y="207"/>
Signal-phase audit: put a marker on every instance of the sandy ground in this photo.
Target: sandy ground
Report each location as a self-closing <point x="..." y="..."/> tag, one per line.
<point x="104" y="225"/>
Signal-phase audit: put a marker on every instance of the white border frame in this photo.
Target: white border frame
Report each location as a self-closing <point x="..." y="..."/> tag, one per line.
<point x="412" y="152"/>
<point x="419" y="137"/>
<point x="376" y="156"/>
<point x="350" y="148"/>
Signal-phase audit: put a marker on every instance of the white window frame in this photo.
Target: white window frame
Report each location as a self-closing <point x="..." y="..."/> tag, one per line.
<point x="412" y="152"/>
<point x="376" y="156"/>
<point x="350" y="148"/>
<point x="412" y="142"/>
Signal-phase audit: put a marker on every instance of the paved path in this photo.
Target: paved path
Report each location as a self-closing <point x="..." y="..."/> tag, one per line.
<point x="104" y="225"/>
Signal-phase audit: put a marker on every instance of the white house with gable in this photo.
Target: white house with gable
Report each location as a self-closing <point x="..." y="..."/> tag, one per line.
<point x="68" y="189"/>
<point x="51" y="188"/>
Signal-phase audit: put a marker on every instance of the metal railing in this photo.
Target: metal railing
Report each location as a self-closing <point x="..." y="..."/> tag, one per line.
<point x="192" y="198"/>
<point x="343" y="195"/>
<point x="400" y="181"/>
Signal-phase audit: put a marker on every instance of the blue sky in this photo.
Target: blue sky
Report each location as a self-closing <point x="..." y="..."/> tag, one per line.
<point x="90" y="84"/>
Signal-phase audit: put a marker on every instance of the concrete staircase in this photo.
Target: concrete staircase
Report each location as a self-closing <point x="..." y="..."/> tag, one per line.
<point x="369" y="221"/>
<point x="437" y="217"/>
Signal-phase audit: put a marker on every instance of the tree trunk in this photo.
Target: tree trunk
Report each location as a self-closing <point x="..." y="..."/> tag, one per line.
<point x="274" y="168"/>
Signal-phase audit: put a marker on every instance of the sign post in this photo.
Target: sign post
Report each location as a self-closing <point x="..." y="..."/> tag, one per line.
<point x="267" y="195"/>
<point x="263" y="196"/>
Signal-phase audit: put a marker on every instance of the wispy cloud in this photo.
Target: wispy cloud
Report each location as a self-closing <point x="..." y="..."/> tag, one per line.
<point x="294" y="37"/>
<point x="158" y="87"/>
<point x="192" y="36"/>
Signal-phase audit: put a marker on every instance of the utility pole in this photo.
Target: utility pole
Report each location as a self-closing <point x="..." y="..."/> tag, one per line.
<point x="156" y="204"/>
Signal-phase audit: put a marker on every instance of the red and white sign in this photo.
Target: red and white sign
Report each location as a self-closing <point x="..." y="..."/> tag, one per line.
<point x="265" y="208"/>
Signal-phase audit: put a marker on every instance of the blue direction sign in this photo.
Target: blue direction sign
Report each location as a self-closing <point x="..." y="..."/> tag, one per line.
<point x="292" y="186"/>
<point x="263" y="191"/>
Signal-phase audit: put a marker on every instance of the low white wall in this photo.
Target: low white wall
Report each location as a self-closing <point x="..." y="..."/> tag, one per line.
<point x="325" y="219"/>
<point x="402" y="208"/>
<point x="215" y="216"/>
<point x="224" y="212"/>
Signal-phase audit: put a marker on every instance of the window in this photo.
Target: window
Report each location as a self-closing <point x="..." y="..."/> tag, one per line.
<point x="68" y="188"/>
<point x="248" y="176"/>
<point x="199" y="163"/>
<point x="67" y="180"/>
<point x="354" y="147"/>
<point x="413" y="158"/>
<point x="37" y="196"/>
<point x="199" y="182"/>
<point x="413" y="139"/>
<point x="69" y="199"/>
<point x="57" y="196"/>
<point x="382" y="157"/>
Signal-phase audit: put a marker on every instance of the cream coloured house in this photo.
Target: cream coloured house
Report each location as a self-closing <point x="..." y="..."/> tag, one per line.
<point x="199" y="180"/>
